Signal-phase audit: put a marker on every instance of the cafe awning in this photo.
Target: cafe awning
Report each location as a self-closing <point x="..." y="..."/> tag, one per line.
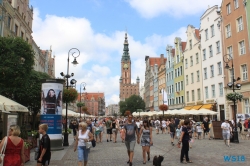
<point x="11" y="106"/>
<point x="207" y="106"/>
<point x="196" y="107"/>
<point x="188" y="107"/>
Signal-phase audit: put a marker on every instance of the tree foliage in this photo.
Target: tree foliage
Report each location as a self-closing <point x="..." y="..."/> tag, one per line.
<point x="80" y="104"/>
<point x="133" y="103"/>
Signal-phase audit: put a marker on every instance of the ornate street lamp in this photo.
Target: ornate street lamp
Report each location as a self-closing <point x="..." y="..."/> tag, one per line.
<point x="234" y="86"/>
<point x="72" y="51"/>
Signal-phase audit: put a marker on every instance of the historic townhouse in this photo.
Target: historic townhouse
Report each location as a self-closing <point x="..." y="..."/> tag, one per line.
<point x="17" y="19"/>
<point x="161" y="79"/>
<point x="212" y="62"/>
<point x="155" y="87"/>
<point x="179" y="74"/>
<point x="236" y="47"/>
<point x="193" y="70"/>
<point x="170" y="76"/>
<point x="127" y="88"/>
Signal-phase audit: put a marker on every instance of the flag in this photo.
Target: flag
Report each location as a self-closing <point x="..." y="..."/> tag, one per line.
<point x="164" y="97"/>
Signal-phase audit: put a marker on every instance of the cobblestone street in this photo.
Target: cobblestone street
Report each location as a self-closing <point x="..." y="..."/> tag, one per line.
<point x="203" y="152"/>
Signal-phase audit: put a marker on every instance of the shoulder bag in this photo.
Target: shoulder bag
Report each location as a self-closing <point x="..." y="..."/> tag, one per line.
<point x="3" y="151"/>
<point x="88" y="144"/>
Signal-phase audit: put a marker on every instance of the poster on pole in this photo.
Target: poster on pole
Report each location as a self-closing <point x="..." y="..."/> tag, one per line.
<point x="51" y="107"/>
<point x="242" y="117"/>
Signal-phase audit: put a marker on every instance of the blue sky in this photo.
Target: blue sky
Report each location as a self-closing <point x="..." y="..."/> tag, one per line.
<point x="97" y="27"/>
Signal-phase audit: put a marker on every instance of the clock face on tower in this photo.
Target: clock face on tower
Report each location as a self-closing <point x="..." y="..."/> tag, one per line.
<point x="125" y="66"/>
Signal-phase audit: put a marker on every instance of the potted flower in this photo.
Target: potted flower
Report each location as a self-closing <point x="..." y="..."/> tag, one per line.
<point x="234" y="96"/>
<point x="163" y="107"/>
<point x="69" y="95"/>
<point x="27" y="147"/>
<point x="35" y="135"/>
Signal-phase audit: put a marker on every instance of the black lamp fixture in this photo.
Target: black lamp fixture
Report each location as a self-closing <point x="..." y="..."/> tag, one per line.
<point x="72" y="51"/>
<point x="234" y="86"/>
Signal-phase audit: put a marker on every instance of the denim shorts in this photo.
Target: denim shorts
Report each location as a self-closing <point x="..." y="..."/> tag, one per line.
<point x="83" y="153"/>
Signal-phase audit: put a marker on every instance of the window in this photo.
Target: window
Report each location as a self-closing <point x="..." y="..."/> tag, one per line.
<point x="175" y="71"/>
<point x="206" y="34"/>
<point x="236" y="4"/>
<point x="192" y="78"/>
<point x="247" y="106"/>
<point x="212" y="30"/>
<point x="230" y="52"/>
<point x="240" y="24"/>
<point x="178" y="72"/>
<point x="228" y="8"/>
<point x="205" y="73"/>
<point x="186" y="79"/>
<point x="242" y="47"/>
<point x="190" y="44"/>
<point x="181" y="70"/>
<point x="221" y="89"/>
<point x="218" y="47"/>
<point x="192" y="95"/>
<point x="210" y="51"/>
<point x="172" y="75"/>
<point x="182" y="99"/>
<point x="199" y="93"/>
<point x="197" y="58"/>
<point x="206" y="92"/>
<point x="22" y="34"/>
<point x="198" y="75"/>
<point x="187" y="96"/>
<point x="212" y="70"/>
<point x="9" y="21"/>
<point x="182" y="88"/>
<point x="179" y="86"/>
<point x="244" y="72"/>
<point x="191" y="60"/>
<point x="228" y="31"/>
<point x="213" y="90"/>
<point x="186" y="63"/>
<point x="16" y="30"/>
<point x="204" y="54"/>
<point x="219" y="68"/>
<point x="176" y="88"/>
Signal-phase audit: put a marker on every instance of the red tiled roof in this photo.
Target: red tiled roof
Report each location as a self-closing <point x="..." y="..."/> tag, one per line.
<point x="89" y="96"/>
<point x="197" y="33"/>
<point x="153" y="61"/>
<point x="183" y="44"/>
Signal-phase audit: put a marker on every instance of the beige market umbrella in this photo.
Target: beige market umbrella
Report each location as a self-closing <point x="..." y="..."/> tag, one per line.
<point x="11" y="106"/>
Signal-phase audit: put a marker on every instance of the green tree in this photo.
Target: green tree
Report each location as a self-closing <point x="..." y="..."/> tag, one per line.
<point x="134" y="103"/>
<point x="16" y="63"/>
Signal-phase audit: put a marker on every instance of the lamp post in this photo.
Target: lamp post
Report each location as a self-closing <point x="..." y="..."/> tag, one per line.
<point x="72" y="51"/>
<point x="234" y="86"/>
<point x="84" y="84"/>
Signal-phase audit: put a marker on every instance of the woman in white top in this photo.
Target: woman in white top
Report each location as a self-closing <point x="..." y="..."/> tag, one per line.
<point x="83" y="136"/>
<point x="164" y="126"/>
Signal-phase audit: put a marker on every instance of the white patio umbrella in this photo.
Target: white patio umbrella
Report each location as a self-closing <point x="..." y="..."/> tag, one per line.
<point x="151" y="113"/>
<point x="207" y="112"/>
<point x="70" y="113"/>
<point x="10" y="105"/>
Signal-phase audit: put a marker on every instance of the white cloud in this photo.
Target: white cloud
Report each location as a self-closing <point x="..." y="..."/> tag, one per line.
<point x="179" y="8"/>
<point x="99" y="61"/>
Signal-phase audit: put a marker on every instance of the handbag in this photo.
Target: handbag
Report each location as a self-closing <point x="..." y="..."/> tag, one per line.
<point x="3" y="151"/>
<point x="88" y="144"/>
<point x="93" y="143"/>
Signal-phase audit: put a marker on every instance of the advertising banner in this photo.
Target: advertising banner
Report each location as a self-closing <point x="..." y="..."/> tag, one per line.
<point x="242" y="117"/>
<point x="51" y="108"/>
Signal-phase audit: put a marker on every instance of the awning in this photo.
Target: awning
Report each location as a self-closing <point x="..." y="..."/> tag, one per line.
<point x="207" y="106"/>
<point x="10" y="105"/>
<point x="196" y="107"/>
<point x="188" y="107"/>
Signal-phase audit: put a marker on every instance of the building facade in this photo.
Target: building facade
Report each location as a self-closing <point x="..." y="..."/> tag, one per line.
<point x="236" y="48"/>
<point x="170" y="76"/>
<point x="127" y="88"/>
<point x="95" y="102"/>
<point x="16" y="19"/>
<point x="113" y="110"/>
<point x="161" y="79"/>
<point x="212" y="62"/>
<point x="179" y="101"/>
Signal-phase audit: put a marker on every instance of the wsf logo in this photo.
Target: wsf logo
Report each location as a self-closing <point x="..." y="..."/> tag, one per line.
<point x="241" y="158"/>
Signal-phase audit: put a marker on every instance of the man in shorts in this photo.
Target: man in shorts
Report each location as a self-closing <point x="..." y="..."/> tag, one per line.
<point x="226" y="131"/>
<point x="172" y="130"/>
<point x="130" y="131"/>
<point x="44" y="153"/>
<point x="205" y="125"/>
<point x="109" y="129"/>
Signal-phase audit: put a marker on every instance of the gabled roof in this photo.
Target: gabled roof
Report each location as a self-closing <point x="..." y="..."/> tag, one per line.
<point x="154" y="60"/>
<point x="197" y="34"/>
<point x="89" y="96"/>
<point x="183" y="44"/>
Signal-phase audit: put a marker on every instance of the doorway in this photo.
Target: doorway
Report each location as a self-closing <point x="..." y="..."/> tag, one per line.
<point x="222" y="113"/>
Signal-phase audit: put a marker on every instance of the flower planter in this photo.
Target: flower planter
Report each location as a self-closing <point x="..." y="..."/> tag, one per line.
<point x="27" y="154"/>
<point x="34" y="142"/>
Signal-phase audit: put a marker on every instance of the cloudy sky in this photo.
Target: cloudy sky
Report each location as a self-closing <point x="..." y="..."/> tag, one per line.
<point x="97" y="29"/>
